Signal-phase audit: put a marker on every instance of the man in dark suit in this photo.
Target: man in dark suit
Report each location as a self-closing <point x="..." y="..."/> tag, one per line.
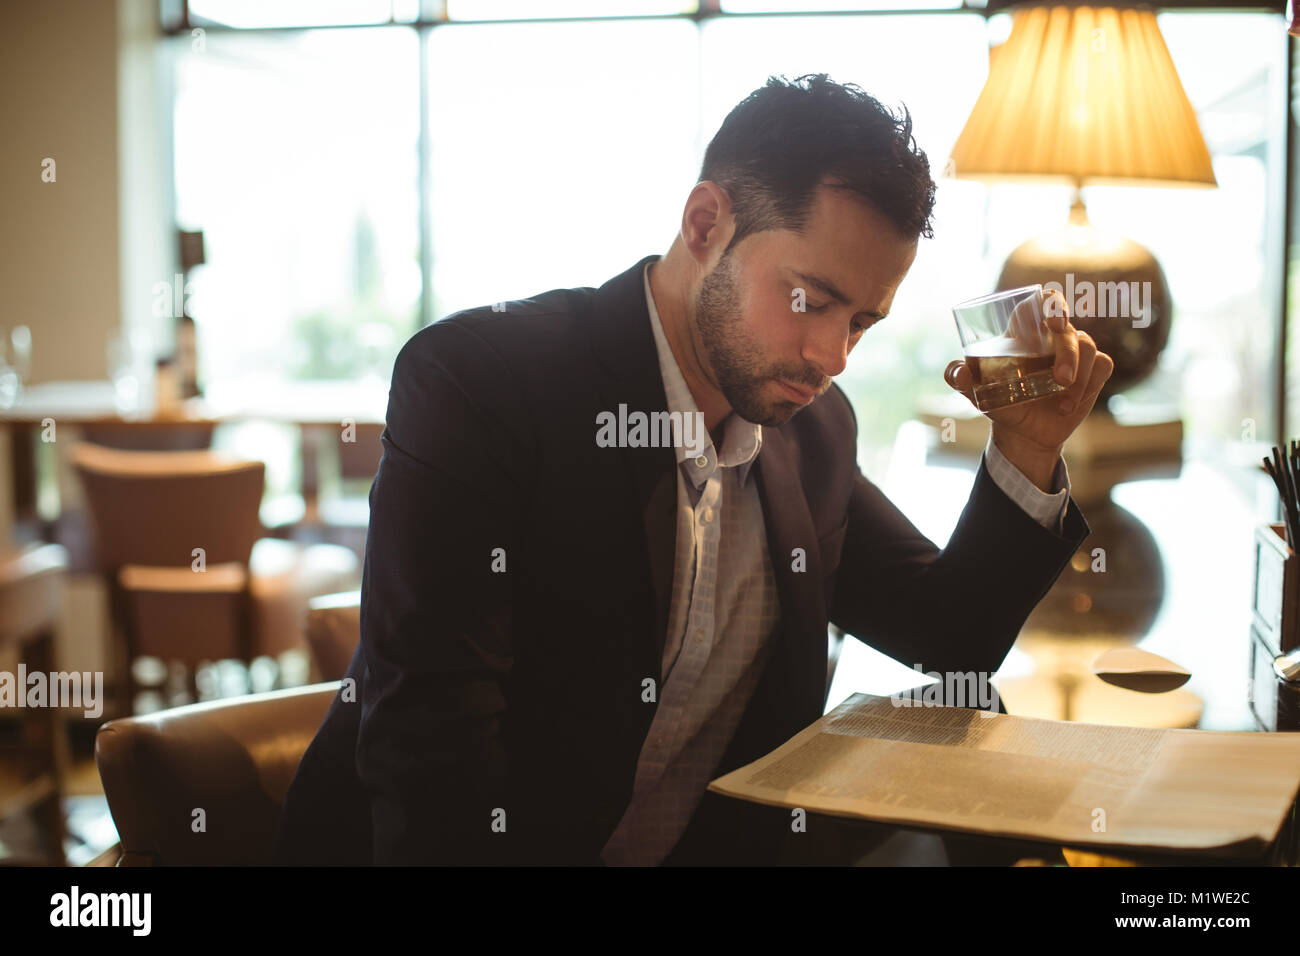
<point x="571" y="623"/>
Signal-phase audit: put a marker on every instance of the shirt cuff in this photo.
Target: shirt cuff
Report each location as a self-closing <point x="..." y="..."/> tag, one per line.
<point x="1047" y="509"/>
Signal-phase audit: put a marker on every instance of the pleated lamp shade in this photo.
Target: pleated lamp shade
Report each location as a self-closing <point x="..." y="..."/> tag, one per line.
<point x="1087" y="94"/>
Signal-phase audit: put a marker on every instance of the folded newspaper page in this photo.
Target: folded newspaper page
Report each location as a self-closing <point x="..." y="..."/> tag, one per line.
<point x="972" y="771"/>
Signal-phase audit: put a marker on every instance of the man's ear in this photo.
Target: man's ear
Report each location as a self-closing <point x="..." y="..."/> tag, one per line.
<point x="707" y="224"/>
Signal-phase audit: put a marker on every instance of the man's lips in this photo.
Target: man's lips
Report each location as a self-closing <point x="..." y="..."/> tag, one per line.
<point x="802" y="395"/>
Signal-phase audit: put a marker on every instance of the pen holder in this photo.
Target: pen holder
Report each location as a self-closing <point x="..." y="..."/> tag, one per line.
<point x="1274" y="629"/>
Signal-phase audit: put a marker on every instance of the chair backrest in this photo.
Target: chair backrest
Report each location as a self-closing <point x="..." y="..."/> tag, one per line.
<point x="177" y="435"/>
<point x="155" y="508"/>
<point x="333" y="632"/>
<point x="233" y="759"/>
<point x="360" y="459"/>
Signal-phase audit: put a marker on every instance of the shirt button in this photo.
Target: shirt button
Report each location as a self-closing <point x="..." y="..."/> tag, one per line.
<point x="702" y="461"/>
<point x="708" y="515"/>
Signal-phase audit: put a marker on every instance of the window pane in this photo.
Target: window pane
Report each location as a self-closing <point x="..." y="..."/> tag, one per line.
<point x="566" y="159"/>
<point x="537" y="9"/>
<point x="788" y="6"/>
<point x="290" y="13"/>
<point x="297" y="156"/>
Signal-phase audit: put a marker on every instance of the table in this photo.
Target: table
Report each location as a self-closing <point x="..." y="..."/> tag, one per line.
<point x="1200" y="518"/>
<point x="1200" y="521"/>
<point x="315" y="408"/>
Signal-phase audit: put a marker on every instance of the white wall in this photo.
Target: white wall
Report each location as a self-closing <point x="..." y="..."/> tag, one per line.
<point x="82" y="82"/>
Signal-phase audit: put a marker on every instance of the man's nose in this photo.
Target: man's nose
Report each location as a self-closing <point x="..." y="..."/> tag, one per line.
<point x="826" y="349"/>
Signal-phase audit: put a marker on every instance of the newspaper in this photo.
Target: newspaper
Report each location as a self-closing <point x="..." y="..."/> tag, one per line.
<point x="1079" y="784"/>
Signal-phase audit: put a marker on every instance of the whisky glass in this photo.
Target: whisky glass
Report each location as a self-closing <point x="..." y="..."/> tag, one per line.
<point x="1008" y="347"/>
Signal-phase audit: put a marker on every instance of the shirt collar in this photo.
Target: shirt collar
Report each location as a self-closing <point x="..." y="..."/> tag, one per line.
<point x="741" y="440"/>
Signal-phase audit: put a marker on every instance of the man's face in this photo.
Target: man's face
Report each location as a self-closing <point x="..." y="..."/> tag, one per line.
<point x="766" y="357"/>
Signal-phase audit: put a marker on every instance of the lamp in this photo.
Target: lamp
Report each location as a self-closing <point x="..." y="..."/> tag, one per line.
<point x="1084" y="95"/>
<point x="1089" y="95"/>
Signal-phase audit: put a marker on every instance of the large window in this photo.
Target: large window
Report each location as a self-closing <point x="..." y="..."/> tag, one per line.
<point x="561" y="152"/>
<point x="558" y="153"/>
<point x="296" y="154"/>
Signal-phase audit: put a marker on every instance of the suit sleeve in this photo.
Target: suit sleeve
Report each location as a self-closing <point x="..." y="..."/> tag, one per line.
<point x="435" y="615"/>
<point x="959" y="608"/>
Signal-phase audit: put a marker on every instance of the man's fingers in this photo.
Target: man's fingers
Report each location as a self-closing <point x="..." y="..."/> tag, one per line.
<point x="1055" y="311"/>
<point x="1033" y="322"/>
<point x="958" y="376"/>
<point x="1077" y="394"/>
<point x="1102" y="366"/>
<point x="1067" y="354"/>
<point x="1084" y="360"/>
<point x="1025" y="327"/>
<point x="1097" y="373"/>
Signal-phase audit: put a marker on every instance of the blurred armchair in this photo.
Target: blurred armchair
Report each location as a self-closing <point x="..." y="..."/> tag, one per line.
<point x="231" y="759"/>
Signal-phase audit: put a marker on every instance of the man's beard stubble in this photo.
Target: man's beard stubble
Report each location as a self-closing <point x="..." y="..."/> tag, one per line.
<point x="736" y="363"/>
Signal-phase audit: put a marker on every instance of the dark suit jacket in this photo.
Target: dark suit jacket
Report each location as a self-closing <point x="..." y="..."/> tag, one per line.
<point x="517" y="696"/>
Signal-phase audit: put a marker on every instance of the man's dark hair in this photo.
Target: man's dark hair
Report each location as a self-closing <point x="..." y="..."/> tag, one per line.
<point x="780" y="142"/>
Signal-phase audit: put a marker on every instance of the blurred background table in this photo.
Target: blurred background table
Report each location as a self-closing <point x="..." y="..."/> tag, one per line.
<point x="313" y="409"/>
<point x="1178" y="551"/>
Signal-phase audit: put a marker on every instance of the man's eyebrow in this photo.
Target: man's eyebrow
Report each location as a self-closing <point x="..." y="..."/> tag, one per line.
<point x="829" y="288"/>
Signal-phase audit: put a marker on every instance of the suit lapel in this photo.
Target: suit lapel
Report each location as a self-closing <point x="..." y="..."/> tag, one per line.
<point x="624" y="346"/>
<point x="799" y="658"/>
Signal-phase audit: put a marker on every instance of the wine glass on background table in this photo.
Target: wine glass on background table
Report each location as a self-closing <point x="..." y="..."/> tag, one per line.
<point x="15" y="363"/>
<point x="125" y="354"/>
